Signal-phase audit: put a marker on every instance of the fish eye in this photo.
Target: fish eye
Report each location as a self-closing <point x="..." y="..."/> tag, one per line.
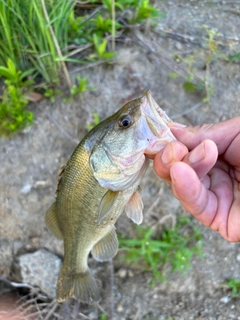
<point x="124" y="121"/>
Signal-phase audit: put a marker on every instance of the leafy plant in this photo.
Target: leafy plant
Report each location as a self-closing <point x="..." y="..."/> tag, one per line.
<point x="37" y="38"/>
<point x="103" y="316"/>
<point x="14" y="76"/>
<point x="13" y="113"/>
<point x="40" y="34"/>
<point x="174" y="247"/>
<point x="96" y="120"/>
<point x="27" y="39"/>
<point x="101" y="48"/>
<point x="51" y="93"/>
<point x="81" y="86"/>
<point x="234" y="285"/>
<point x="145" y="11"/>
<point x="234" y="57"/>
<point x="210" y="53"/>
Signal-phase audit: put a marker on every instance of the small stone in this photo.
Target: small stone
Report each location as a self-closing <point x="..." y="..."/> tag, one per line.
<point x="238" y="257"/>
<point x="92" y="315"/>
<point x="122" y="273"/>
<point x="178" y="45"/>
<point x="130" y="273"/>
<point x="225" y="299"/>
<point x="119" y="308"/>
<point x="40" y="183"/>
<point x="26" y="189"/>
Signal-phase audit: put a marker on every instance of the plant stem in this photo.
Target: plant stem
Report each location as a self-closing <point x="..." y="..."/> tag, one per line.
<point x="64" y="68"/>
<point x="113" y="25"/>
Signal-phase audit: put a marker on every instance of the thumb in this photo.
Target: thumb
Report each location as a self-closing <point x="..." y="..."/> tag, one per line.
<point x="222" y="133"/>
<point x="191" y="192"/>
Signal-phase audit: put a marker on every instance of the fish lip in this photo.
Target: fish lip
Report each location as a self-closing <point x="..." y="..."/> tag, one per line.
<point x="147" y="100"/>
<point x="158" y="123"/>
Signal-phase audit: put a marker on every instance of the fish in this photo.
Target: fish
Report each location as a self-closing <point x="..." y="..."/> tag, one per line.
<point x="99" y="182"/>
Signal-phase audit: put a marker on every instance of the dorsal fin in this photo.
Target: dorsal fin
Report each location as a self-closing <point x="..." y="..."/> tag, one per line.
<point x="60" y="175"/>
<point x="51" y="221"/>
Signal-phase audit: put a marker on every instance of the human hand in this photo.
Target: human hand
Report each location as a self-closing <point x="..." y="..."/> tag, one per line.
<point x="203" y="169"/>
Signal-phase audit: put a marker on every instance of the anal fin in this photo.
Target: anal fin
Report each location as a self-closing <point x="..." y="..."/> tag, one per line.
<point x="107" y="247"/>
<point x="51" y="221"/>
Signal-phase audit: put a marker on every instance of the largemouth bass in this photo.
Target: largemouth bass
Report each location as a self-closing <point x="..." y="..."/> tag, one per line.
<point x="99" y="182"/>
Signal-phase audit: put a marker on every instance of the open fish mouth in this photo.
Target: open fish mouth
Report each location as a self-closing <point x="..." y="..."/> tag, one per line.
<point x="154" y="125"/>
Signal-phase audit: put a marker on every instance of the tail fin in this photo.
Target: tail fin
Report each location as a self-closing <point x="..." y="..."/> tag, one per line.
<point x="80" y="286"/>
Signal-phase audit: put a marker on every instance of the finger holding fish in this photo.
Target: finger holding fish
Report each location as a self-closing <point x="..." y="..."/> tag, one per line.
<point x="201" y="159"/>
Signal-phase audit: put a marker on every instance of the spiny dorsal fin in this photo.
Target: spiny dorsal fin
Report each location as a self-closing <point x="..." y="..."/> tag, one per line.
<point x="134" y="207"/>
<point x="106" y="204"/>
<point x="51" y="221"/>
<point x="60" y="175"/>
<point x="107" y="247"/>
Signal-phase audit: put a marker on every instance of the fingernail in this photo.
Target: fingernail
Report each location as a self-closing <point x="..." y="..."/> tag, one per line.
<point x="167" y="155"/>
<point x="197" y="154"/>
<point x="176" y="125"/>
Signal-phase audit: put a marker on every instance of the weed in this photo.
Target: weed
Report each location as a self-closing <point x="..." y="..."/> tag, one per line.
<point x="35" y="32"/>
<point x="39" y="37"/>
<point x="13" y="113"/>
<point x="211" y="53"/>
<point x="234" y="57"/>
<point x="26" y="37"/>
<point x="174" y="247"/>
<point x="100" y="48"/>
<point x="15" y="77"/>
<point x="234" y="285"/>
<point x="103" y="316"/>
<point x="96" y="120"/>
<point x="51" y="93"/>
<point x="81" y="86"/>
<point x="145" y="11"/>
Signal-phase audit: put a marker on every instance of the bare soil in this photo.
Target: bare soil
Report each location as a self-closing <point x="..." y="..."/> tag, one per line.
<point x="30" y="162"/>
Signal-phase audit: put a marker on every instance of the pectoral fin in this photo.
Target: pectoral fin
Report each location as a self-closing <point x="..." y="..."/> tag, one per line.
<point x="107" y="247"/>
<point x="106" y="204"/>
<point x="51" y="221"/>
<point x="134" y="207"/>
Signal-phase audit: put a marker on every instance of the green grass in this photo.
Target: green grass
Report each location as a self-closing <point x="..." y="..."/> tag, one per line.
<point x="32" y="37"/>
<point x="234" y="286"/>
<point x="41" y="37"/>
<point x="175" y="247"/>
<point x="25" y="35"/>
<point x="13" y="113"/>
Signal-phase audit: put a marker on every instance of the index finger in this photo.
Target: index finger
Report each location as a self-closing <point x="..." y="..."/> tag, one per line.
<point x="226" y="136"/>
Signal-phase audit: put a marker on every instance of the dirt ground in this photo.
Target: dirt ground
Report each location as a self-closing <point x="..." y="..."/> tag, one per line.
<point x="30" y="162"/>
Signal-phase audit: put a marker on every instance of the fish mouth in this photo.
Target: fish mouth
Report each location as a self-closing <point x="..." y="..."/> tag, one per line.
<point x="157" y="121"/>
